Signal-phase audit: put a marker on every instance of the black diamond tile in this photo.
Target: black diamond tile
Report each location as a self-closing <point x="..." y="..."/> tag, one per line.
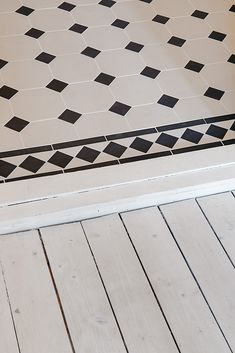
<point x="233" y="127"/>
<point x="16" y="124"/>
<point x="24" y="10"/>
<point x="7" y="92"/>
<point x="168" y="101"/>
<point x="45" y="57"/>
<point x="67" y="6"/>
<point x="141" y="145"/>
<point x="34" y="33"/>
<point x="114" y="149"/>
<point x="108" y="3"/>
<point x="88" y="154"/>
<point x="200" y="14"/>
<point x="32" y="164"/>
<point x="167" y="140"/>
<point x="214" y="93"/>
<point x="192" y="136"/>
<point x="134" y="47"/>
<point x="232" y="8"/>
<point x="60" y="159"/>
<point x="148" y="1"/>
<point x="57" y="85"/>
<point x="217" y="36"/>
<point x="216" y="131"/>
<point x="70" y="116"/>
<point x="91" y="52"/>
<point x="120" y="108"/>
<point x="232" y="59"/>
<point x="150" y="72"/>
<point x="194" y="66"/>
<point x="179" y="42"/>
<point x="78" y="28"/>
<point x="105" y="79"/>
<point x="161" y="19"/>
<point x="2" y="63"/>
<point x="6" y="168"/>
<point x="120" y="23"/>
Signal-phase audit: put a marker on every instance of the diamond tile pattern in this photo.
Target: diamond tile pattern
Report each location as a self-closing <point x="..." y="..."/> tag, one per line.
<point x="103" y="75"/>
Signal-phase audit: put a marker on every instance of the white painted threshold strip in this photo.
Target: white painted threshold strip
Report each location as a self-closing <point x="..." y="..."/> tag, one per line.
<point x="72" y="197"/>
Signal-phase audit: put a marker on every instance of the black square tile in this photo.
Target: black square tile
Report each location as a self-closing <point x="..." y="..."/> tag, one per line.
<point x="120" y="23"/>
<point x="60" y="159"/>
<point x="147" y="1"/>
<point x="168" y="101"/>
<point x="7" y="92"/>
<point x="3" y="63"/>
<point x="167" y="140"/>
<point x="88" y="154"/>
<point x="233" y="127"/>
<point x="161" y="19"/>
<point x="192" y="136"/>
<point x="32" y="164"/>
<point x="150" y="72"/>
<point x="6" y="168"/>
<point x="232" y="59"/>
<point x="134" y="47"/>
<point x="200" y="14"/>
<point x="66" y="6"/>
<point x="217" y="131"/>
<point x="78" y="28"/>
<point x="105" y="79"/>
<point x="24" y="10"/>
<point x="70" y="116"/>
<point x="194" y="66"/>
<point x="120" y="108"/>
<point x="214" y="93"/>
<point x="91" y="52"/>
<point x="232" y="8"/>
<point x="57" y="85"/>
<point x="115" y="149"/>
<point x="16" y="124"/>
<point x="107" y="3"/>
<point x="217" y="36"/>
<point x="141" y="145"/>
<point x="179" y="42"/>
<point x="45" y="57"/>
<point x="34" y="33"/>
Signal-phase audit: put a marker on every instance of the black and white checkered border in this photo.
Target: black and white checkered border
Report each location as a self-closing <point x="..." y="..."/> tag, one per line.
<point x="117" y="149"/>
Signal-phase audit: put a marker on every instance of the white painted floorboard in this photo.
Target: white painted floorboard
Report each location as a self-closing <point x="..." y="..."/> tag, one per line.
<point x="182" y="302"/>
<point x="220" y="212"/>
<point x="87" y="310"/>
<point x="207" y="260"/>
<point x="155" y="280"/>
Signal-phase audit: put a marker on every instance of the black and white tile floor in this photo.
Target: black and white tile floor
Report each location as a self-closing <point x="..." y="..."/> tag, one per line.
<point x="90" y="83"/>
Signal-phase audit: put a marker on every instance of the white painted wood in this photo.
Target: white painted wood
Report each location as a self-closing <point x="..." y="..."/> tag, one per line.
<point x="88" y="313"/>
<point x="120" y="198"/>
<point x="136" y="309"/>
<point x="220" y="212"/>
<point x="37" y="317"/>
<point x="207" y="260"/>
<point x="8" y="341"/>
<point x="87" y="180"/>
<point x="190" y="319"/>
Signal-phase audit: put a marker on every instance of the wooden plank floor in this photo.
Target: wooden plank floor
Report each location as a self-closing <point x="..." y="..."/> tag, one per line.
<point x="155" y="280"/>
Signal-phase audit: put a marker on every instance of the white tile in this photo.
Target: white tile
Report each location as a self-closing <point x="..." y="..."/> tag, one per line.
<point x="93" y="15"/>
<point x="188" y="27"/>
<point x="19" y="47"/>
<point x="26" y="74"/>
<point x="213" y="5"/>
<point x="167" y="8"/>
<point x="13" y="23"/>
<point x="51" y="19"/>
<point x="8" y="6"/>
<point x="133" y="11"/>
<point x="220" y="76"/>
<point x="148" y="32"/>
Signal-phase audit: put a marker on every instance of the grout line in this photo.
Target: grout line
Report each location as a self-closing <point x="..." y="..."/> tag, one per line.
<point x="106" y="292"/>
<point x="10" y="307"/>
<point x="194" y="277"/>
<point x="151" y="286"/>
<point x="215" y="233"/>
<point x="56" y="292"/>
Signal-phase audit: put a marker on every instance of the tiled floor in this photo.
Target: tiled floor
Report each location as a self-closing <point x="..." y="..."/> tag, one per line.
<point x="89" y="83"/>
